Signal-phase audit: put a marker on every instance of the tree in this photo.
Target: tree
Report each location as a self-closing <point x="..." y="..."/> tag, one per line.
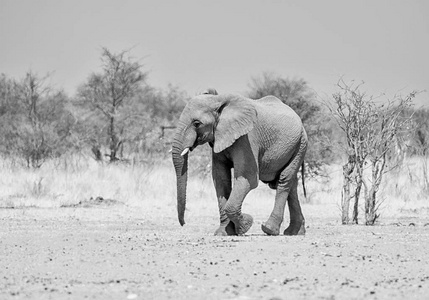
<point x="388" y="122"/>
<point x="352" y="113"/>
<point x="300" y="97"/>
<point x="420" y="142"/>
<point x="106" y="100"/>
<point x="35" y="121"/>
<point x="370" y="129"/>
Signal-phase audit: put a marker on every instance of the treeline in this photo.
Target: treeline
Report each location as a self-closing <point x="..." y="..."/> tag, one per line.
<point x="115" y="115"/>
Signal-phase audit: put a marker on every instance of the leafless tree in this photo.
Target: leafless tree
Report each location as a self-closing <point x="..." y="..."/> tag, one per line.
<point x="388" y="122"/>
<point x="421" y="145"/>
<point x="36" y="124"/>
<point x="109" y="94"/>
<point x="352" y="113"/>
<point x="370" y="127"/>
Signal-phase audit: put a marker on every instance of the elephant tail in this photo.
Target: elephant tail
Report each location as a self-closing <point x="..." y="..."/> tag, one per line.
<point x="303" y="179"/>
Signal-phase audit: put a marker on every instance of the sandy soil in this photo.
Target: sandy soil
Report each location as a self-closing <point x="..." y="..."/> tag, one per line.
<point x="127" y="253"/>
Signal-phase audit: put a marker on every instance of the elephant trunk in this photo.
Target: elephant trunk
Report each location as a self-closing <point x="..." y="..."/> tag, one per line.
<point x="180" y="154"/>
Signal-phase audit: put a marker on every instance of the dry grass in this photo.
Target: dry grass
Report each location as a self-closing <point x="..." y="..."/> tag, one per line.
<point x="152" y="186"/>
<point x="402" y="192"/>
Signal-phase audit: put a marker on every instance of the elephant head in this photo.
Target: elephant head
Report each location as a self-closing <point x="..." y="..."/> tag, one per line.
<point x="209" y="118"/>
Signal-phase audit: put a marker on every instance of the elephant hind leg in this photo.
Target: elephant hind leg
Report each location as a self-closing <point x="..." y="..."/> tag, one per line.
<point x="297" y="222"/>
<point x="272" y="226"/>
<point x="286" y="185"/>
<point x="286" y="192"/>
<point x="282" y="185"/>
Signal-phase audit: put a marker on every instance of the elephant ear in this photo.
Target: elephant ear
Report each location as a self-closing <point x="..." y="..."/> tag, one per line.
<point x="236" y="118"/>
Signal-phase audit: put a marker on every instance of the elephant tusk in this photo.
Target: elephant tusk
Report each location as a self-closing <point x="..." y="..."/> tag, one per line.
<point x="184" y="151"/>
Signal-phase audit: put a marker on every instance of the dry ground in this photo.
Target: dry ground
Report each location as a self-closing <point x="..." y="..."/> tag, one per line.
<point x="121" y="252"/>
<point x="52" y="247"/>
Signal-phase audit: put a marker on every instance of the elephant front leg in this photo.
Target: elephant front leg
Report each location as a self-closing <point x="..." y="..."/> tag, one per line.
<point x="242" y="222"/>
<point x="241" y="158"/>
<point x="226" y="227"/>
<point x="222" y="180"/>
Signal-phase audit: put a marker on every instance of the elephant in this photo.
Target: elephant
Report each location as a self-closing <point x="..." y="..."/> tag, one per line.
<point x="260" y="139"/>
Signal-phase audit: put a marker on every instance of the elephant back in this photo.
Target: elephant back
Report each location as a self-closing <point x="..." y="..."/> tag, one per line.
<point x="274" y="106"/>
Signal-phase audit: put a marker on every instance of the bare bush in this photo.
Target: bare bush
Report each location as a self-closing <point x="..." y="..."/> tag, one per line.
<point x="35" y="121"/>
<point x="106" y="98"/>
<point x="421" y="142"/>
<point x="370" y="128"/>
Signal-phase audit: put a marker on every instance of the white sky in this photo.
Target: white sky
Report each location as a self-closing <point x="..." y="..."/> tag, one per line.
<point x="222" y="44"/>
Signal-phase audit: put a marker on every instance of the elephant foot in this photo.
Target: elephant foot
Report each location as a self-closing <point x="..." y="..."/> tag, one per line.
<point x="229" y="229"/>
<point x="272" y="226"/>
<point x="269" y="230"/>
<point x="295" y="228"/>
<point x="244" y="224"/>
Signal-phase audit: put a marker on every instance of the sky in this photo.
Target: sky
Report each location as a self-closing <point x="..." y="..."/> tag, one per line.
<point x="224" y="43"/>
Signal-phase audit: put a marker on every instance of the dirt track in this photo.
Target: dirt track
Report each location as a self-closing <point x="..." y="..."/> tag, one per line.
<point x="126" y="254"/>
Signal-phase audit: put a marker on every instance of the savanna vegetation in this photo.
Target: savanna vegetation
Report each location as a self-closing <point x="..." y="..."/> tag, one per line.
<point x="112" y="139"/>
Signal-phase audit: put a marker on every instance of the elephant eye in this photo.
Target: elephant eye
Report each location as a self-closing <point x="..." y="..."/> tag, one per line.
<point x="196" y="123"/>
